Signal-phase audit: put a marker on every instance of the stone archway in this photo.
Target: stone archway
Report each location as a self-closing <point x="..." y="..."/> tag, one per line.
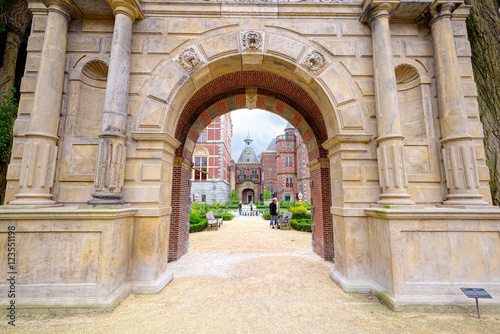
<point x="329" y="71"/>
<point x="276" y="94"/>
<point x="248" y="195"/>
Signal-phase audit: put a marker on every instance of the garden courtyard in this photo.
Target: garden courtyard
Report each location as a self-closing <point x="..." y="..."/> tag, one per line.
<point x="248" y="278"/>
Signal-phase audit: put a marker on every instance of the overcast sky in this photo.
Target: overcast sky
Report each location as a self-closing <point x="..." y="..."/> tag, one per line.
<point x="262" y="125"/>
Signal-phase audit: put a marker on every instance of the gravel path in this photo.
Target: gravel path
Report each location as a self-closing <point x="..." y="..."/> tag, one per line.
<point x="248" y="278"/>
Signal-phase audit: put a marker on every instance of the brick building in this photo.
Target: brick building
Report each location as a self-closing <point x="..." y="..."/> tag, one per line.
<point x="281" y="168"/>
<point x="210" y="176"/>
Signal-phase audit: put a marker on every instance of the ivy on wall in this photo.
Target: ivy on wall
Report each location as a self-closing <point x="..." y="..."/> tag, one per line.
<point x="8" y="112"/>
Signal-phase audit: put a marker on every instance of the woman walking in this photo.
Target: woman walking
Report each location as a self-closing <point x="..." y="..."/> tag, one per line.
<point x="251" y="208"/>
<point x="273" y="211"/>
<point x="240" y="207"/>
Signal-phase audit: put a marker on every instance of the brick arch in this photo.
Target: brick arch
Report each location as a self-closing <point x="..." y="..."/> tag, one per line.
<point x="252" y="89"/>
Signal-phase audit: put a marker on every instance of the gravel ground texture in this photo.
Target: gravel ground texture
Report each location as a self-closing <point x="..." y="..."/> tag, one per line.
<point x="249" y="278"/>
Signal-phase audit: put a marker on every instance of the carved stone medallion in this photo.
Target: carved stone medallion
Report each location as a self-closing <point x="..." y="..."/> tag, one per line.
<point x="252" y="40"/>
<point x="314" y="61"/>
<point x="189" y="59"/>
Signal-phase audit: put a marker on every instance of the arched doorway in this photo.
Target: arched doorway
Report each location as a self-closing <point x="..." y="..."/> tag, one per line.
<point x="276" y="94"/>
<point x="248" y="195"/>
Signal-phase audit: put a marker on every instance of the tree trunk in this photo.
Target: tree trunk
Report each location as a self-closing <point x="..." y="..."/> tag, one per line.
<point x="483" y="26"/>
<point x="17" y="18"/>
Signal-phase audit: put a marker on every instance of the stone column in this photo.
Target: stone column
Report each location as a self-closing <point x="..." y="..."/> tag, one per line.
<point x="390" y="151"/>
<point x="459" y="152"/>
<point x="111" y="153"/>
<point x="40" y="150"/>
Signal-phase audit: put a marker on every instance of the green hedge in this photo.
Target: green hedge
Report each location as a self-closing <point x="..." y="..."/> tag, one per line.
<point x="266" y="216"/>
<point x="301" y="224"/>
<point x="227" y="216"/>
<point x="198" y="227"/>
<point x="297" y="216"/>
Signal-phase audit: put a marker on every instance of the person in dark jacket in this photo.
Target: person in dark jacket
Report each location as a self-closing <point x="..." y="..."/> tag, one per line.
<point x="273" y="211"/>
<point x="240" y="207"/>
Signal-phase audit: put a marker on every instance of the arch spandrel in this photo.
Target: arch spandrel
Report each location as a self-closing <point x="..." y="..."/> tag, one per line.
<point x="329" y="85"/>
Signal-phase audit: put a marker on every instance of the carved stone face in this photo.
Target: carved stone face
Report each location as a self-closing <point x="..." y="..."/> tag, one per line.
<point x="189" y="59"/>
<point x="252" y="40"/>
<point x="314" y="61"/>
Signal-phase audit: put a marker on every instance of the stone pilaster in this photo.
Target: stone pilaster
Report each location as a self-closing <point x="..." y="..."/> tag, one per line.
<point x="110" y="162"/>
<point x="459" y="153"/>
<point x="390" y="152"/>
<point x="40" y="150"/>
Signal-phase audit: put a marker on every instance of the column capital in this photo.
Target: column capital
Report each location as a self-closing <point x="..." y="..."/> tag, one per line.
<point x="373" y="9"/>
<point x="131" y="8"/>
<point x="438" y="10"/>
<point x="183" y="162"/>
<point x="318" y="163"/>
<point x="63" y="7"/>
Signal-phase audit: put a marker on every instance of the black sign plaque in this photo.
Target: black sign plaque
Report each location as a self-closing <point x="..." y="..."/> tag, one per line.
<point x="476" y="293"/>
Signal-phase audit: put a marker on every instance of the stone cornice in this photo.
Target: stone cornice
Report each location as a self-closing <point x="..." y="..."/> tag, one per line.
<point x="336" y="140"/>
<point x="85" y="212"/>
<point x="484" y="213"/>
<point x="131" y="8"/>
<point x="318" y="163"/>
<point x="157" y="136"/>
<point x="182" y="162"/>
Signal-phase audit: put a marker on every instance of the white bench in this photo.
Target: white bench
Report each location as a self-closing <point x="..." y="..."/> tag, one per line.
<point x="212" y="221"/>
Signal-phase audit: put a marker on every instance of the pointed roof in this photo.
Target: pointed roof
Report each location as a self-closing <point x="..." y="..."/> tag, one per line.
<point x="272" y="146"/>
<point x="289" y="126"/>
<point x="248" y="154"/>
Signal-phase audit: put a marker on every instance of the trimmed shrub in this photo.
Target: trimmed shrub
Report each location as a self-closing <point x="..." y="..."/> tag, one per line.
<point x="266" y="216"/>
<point x="194" y="218"/>
<point x="301" y="224"/>
<point x="227" y="216"/>
<point x="198" y="227"/>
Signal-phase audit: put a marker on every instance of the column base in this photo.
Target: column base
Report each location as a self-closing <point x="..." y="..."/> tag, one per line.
<point x="34" y="200"/>
<point x="465" y="201"/>
<point x="351" y="286"/>
<point x="395" y="199"/>
<point x="106" y="199"/>
<point x="154" y="287"/>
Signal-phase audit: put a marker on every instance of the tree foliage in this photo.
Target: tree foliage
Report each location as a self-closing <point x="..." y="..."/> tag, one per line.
<point x="8" y="112"/>
<point x="267" y="194"/>
<point x="483" y="26"/>
<point x="233" y="196"/>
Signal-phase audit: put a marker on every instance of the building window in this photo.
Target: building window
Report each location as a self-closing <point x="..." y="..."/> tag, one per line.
<point x="203" y="137"/>
<point x="241" y="175"/>
<point x="254" y="175"/>
<point x="203" y="198"/>
<point x="200" y="169"/>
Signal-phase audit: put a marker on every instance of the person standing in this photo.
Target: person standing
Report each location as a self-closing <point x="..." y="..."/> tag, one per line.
<point x="240" y="206"/>
<point x="251" y="208"/>
<point x="273" y="211"/>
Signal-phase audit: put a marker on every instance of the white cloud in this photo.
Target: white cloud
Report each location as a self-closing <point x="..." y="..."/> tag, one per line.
<point x="260" y="124"/>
